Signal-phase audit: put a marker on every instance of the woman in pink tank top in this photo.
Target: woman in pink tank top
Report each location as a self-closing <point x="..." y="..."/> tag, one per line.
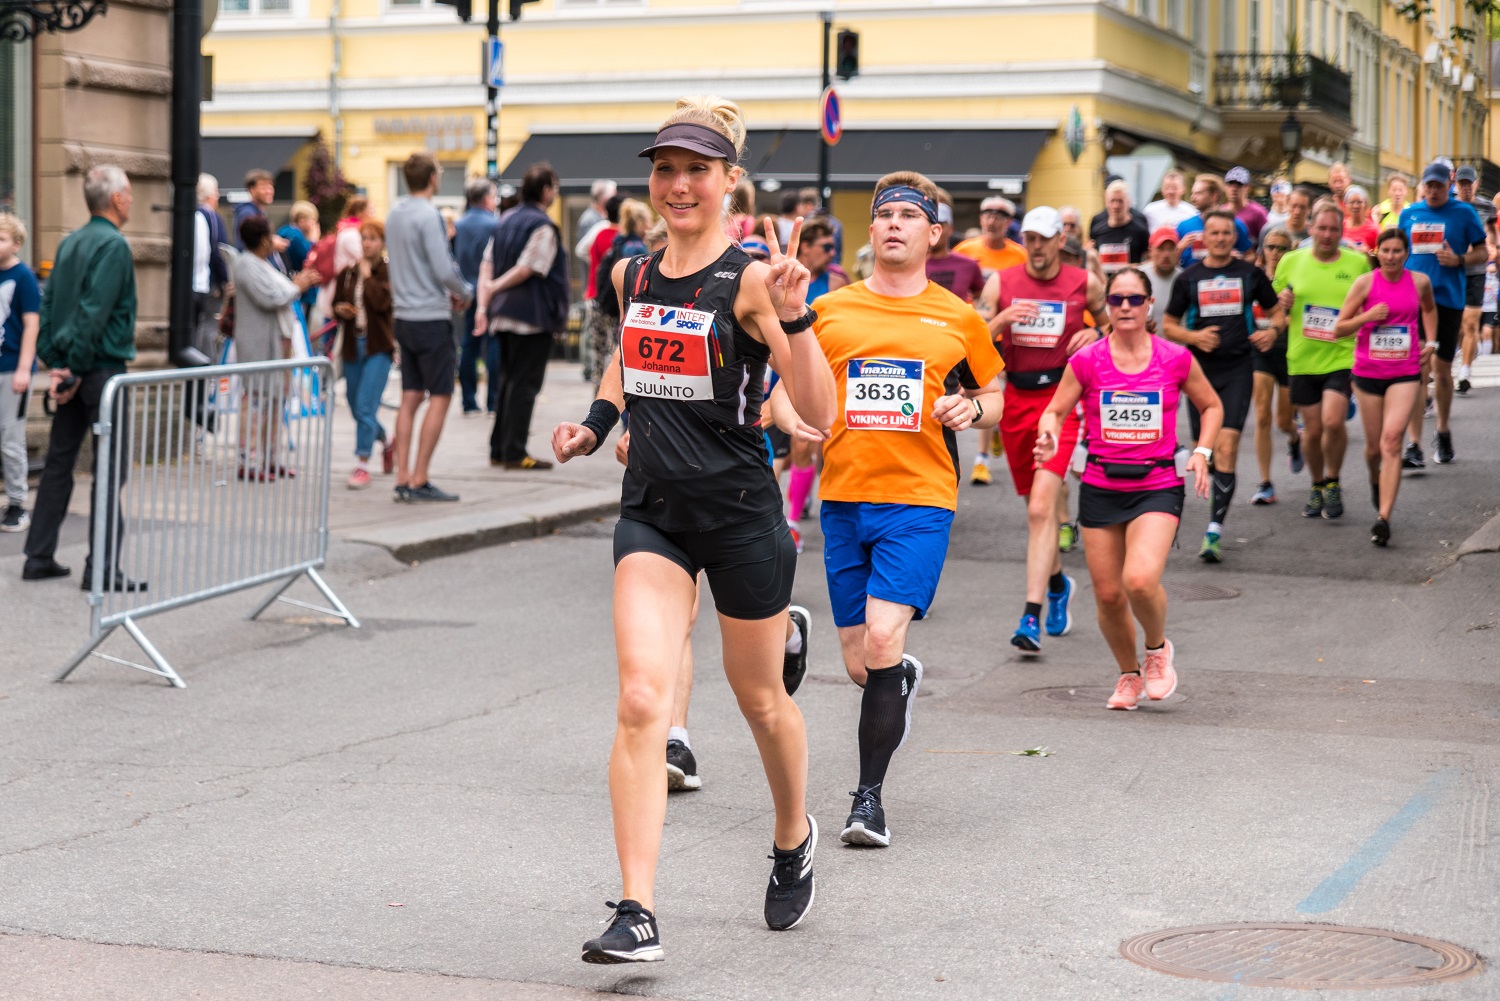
<point x="1131" y="498"/>
<point x="1396" y="317"/>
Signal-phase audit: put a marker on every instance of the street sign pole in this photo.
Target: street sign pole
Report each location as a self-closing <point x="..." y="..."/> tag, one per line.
<point x="492" y="96"/>
<point x="824" y="194"/>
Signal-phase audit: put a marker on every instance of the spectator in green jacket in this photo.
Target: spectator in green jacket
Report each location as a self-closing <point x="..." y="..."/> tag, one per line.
<point x="87" y="335"/>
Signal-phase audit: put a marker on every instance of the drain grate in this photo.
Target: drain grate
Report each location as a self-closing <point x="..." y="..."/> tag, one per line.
<point x="1091" y="697"/>
<point x="1183" y="590"/>
<point x="1300" y="956"/>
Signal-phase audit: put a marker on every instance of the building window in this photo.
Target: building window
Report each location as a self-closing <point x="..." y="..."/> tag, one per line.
<point x="1176" y="19"/>
<point x="450" y="193"/>
<point x="1148" y="9"/>
<point x="246" y="8"/>
<point x="1229" y="28"/>
<point x="1279" y="25"/>
<point x="1252" y="25"/>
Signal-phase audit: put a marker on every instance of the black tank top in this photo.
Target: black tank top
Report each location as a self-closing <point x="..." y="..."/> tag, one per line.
<point x="693" y="390"/>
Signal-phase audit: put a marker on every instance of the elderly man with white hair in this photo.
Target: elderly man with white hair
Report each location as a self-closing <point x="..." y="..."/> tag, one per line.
<point x="1119" y="235"/>
<point x="210" y="274"/>
<point x="87" y="336"/>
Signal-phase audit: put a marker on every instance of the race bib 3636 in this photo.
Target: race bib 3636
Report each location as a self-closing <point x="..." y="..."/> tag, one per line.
<point x="883" y="394"/>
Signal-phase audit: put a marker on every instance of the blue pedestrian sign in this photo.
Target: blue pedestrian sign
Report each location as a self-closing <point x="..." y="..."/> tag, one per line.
<point x="494" y="62"/>
<point x="831" y="117"/>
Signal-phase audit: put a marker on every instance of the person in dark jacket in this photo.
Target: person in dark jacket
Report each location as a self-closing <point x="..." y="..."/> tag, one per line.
<point x="475" y="228"/>
<point x="362" y="304"/>
<point x="527" y="304"/>
<point x="87" y="335"/>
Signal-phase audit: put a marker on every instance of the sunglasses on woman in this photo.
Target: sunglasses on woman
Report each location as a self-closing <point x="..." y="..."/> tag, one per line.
<point x="1280" y="248"/>
<point x="1132" y="299"/>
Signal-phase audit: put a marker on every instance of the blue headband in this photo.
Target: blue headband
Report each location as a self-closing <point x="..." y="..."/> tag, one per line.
<point x="903" y="193"/>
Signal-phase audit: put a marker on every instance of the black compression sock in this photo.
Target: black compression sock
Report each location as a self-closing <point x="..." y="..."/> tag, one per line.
<point x="1223" y="494"/>
<point x="1033" y="608"/>
<point x="882" y="722"/>
<point x="1055" y="583"/>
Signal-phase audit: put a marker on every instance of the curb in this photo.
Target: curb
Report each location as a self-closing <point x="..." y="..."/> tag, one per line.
<point x="1485" y="540"/>
<point x="481" y="529"/>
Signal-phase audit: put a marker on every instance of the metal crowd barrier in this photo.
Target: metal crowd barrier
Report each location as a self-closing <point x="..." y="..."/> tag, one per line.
<point x="208" y="481"/>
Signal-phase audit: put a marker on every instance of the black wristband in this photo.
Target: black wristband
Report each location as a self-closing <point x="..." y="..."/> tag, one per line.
<point x="800" y="324"/>
<point x="602" y="418"/>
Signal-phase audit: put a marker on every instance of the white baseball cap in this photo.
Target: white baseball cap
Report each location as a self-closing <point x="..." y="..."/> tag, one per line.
<point x="1043" y="221"/>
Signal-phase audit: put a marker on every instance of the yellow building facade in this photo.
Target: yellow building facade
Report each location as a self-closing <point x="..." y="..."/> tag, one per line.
<point x="978" y="96"/>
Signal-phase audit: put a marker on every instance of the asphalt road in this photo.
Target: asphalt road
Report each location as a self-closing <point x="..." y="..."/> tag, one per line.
<point x="418" y="809"/>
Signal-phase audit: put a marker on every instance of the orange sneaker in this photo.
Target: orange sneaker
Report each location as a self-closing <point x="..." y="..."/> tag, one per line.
<point x="1127" y="692"/>
<point x="1161" y="676"/>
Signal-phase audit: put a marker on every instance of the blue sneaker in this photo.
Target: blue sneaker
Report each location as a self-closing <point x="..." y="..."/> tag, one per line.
<point x="1352" y="410"/>
<point x="1059" y="609"/>
<point x="1028" y="636"/>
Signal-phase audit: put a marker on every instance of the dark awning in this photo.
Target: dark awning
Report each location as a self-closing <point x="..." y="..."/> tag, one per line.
<point x="230" y="158"/>
<point x="958" y="159"/>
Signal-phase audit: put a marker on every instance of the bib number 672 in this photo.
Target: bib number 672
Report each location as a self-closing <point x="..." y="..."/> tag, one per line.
<point x="663" y="348"/>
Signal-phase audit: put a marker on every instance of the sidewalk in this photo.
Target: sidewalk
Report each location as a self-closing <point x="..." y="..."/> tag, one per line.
<point x="495" y="505"/>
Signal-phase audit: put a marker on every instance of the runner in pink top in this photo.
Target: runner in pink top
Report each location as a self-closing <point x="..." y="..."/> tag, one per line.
<point x="1132" y="494"/>
<point x="1395" y="314"/>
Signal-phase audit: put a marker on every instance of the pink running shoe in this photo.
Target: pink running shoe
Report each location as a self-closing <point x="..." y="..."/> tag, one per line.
<point x="359" y="479"/>
<point x="1127" y="692"/>
<point x="1161" y="676"/>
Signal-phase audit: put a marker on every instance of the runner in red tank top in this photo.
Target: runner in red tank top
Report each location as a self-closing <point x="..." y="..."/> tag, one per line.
<point x="1036" y="312"/>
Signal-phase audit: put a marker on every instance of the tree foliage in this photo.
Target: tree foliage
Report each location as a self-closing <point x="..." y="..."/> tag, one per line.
<point x="1487" y="13"/>
<point x="325" y="185"/>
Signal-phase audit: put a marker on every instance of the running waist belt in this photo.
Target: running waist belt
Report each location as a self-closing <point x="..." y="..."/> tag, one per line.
<point x="1035" y="380"/>
<point x="1130" y="470"/>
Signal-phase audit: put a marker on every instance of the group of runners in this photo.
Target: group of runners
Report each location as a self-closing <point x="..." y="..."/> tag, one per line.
<point x="883" y="374"/>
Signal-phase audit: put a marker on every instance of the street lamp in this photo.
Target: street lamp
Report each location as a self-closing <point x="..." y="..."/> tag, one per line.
<point x="1291" y="140"/>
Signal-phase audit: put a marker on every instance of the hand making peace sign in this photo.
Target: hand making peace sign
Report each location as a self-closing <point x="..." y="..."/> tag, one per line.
<point x="788" y="278"/>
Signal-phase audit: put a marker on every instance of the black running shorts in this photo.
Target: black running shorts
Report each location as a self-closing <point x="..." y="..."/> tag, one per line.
<point x="1235" y="385"/>
<point x="1272" y="362"/>
<point x="1474" y="291"/>
<point x="1450" y="325"/>
<point x="1377" y="387"/>
<point x="750" y="567"/>
<point x="1308" y="390"/>
<point x="428" y="359"/>
<point x="1101" y="508"/>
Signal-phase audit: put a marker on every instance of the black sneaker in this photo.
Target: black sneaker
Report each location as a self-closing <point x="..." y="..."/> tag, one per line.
<point x="429" y="492"/>
<point x="1380" y="532"/>
<point x="794" y="665"/>
<point x="1294" y="458"/>
<point x="1463" y="387"/>
<point x="1333" y="500"/>
<point x="1442" y="448"/>
<point x="789" y="894"/>
<point x="1412" y="457"/>
<point x="866" y="823"/>
<point x="911" y="681"/>
<point x="632" y="937"/>
<point x="682" y="767"/>
<point x="15" y="519"/>
<point x="401" y="495"/>
<point x="1314" y="507"/>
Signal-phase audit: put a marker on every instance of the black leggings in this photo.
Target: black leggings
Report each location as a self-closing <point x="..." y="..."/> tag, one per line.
<point x="750" y="567"/>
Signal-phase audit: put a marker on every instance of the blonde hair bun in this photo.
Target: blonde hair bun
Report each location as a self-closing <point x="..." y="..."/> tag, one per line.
<point x="723" y="116"/>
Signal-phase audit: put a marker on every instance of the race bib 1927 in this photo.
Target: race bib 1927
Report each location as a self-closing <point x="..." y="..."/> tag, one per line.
<point x="1318" y="323"/>
<point x="665" y="352"/>
<point x="883" y="394"/>
<point x="1130" y="418"/>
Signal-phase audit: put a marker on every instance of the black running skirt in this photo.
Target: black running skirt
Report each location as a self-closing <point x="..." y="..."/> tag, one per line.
<point x="1101" y="508"/>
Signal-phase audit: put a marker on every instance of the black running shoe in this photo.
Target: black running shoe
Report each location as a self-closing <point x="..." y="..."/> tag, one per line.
<point x="1333" y="500"/>
<point x="794" y="665"/>
<point x="1294" y="458"/>
<point x="1412" y="457"/>
<point x="632" y="937"/>
<point x="682" y="767"/>
<point x="866" y="823"/>
<point x="1314" y="508"/>
<point x="1442" y="448"/>
<point x="789" y="894"/>
<point x="1463" y="387"/>
<point x="1380" y="532"/>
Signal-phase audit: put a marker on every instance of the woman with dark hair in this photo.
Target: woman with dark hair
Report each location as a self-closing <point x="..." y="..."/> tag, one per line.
<point x="1394" y="313"/>
<point x="1131" y="498"/>
<point x="265" y="322"/>
<point x="362" y="303"/>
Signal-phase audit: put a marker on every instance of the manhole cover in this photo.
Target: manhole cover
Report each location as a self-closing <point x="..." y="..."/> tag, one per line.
<point x="1181" y="590"/>
<point x="1301" y="956"/>
<point x="1092" y="697"/>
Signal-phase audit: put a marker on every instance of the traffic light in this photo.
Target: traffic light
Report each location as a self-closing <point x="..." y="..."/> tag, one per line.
<point x="465" y="8"/>
<point x="847" y="63"/>
<point x="515" y="8"/>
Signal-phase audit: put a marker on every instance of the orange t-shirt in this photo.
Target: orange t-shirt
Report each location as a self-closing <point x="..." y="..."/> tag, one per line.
<point x="991" y="260"/>
<point x="890" y="358"/>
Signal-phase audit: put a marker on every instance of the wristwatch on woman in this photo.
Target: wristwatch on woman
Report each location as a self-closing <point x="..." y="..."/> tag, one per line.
<point x="1207" y="453"/>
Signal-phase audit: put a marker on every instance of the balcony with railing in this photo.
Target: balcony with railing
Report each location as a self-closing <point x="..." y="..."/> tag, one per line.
<point x="1254" y="93"/>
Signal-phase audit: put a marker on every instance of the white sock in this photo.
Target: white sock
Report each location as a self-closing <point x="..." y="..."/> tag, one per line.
<point x="680" y="733"/>
<point x="1216" y="528"/>
<point x="982" y="460"/>
<point x="794" y="642"/>
<point x="362" y="464"/>
<point x="1485" y="346"/>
